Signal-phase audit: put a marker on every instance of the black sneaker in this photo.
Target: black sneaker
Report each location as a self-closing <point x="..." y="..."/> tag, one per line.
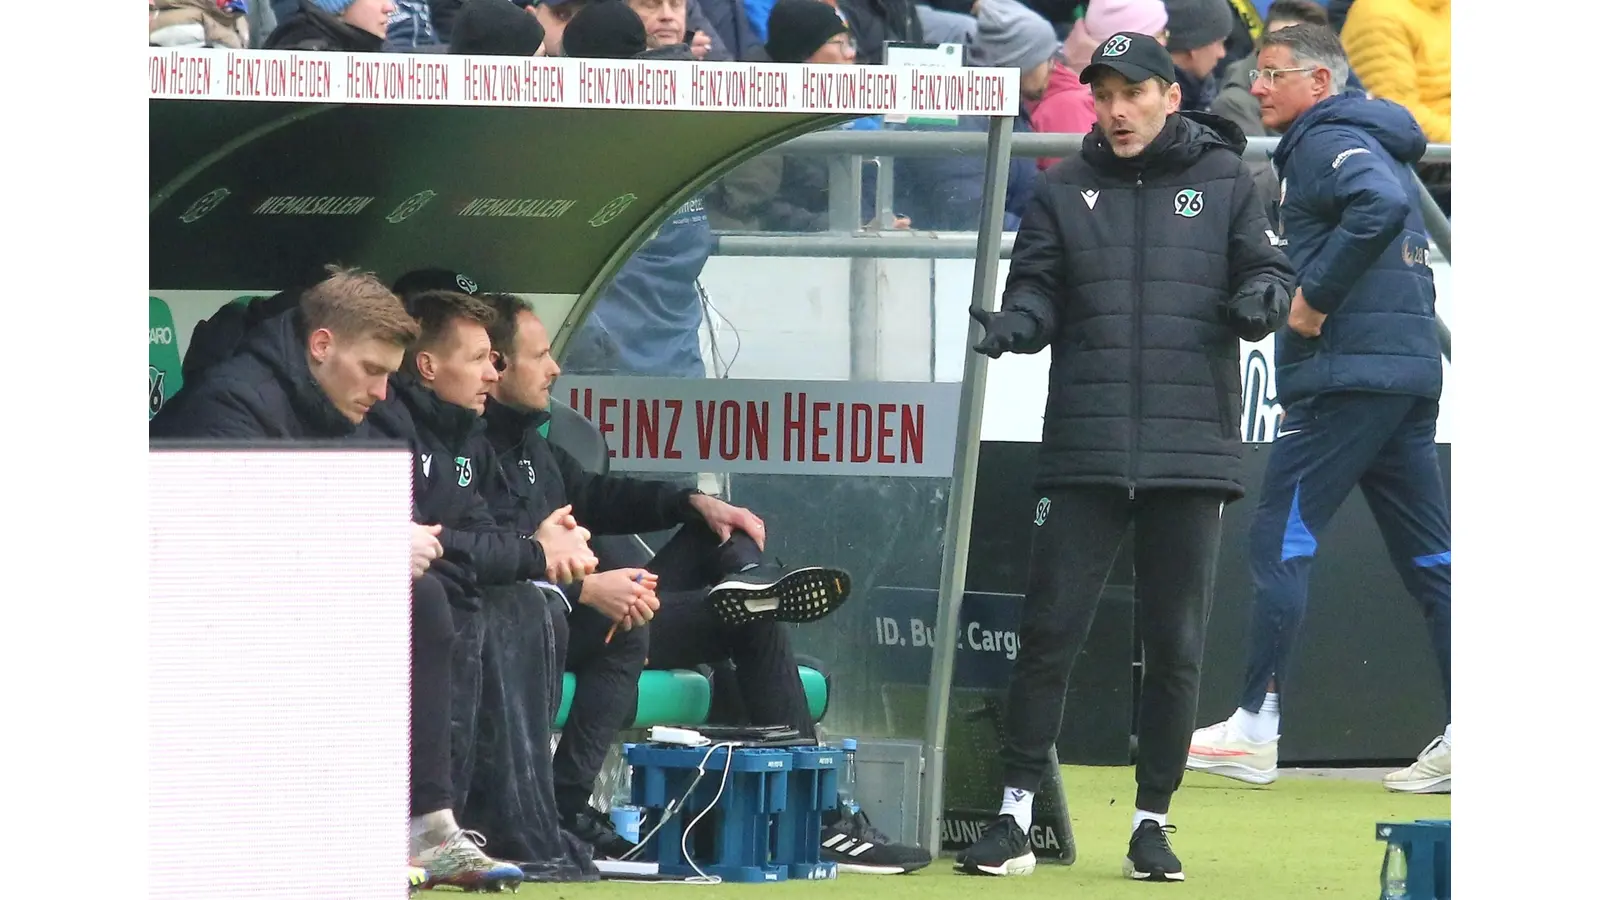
<point x="594" y="828"/>
<point x="858" y="847"/>
<point x="787" y="595"/>
<point x="1003" y="849"/>
<point x="1150" y="857"/>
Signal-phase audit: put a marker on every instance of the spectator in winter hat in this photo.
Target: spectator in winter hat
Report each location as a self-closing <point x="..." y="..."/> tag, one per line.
<point x="1068" y="103"/>
<point x="1196" y="30"/>
<point x="495" y="28"/>
<point x="605" y="30"/>
<point x="338" y="25"/>
<point x="801" y="31"/>
<point x="1011" y="35"/>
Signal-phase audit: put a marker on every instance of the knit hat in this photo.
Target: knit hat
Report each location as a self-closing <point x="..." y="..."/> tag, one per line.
<point x="798" y="28"/>
<point x="1011" y="35"/>
<point x="1107" y="17"/>
<point x="332" y="7"/>
<point x="1196" y="23"/>
<point x="495" y="28"/>
<point x="606" y="30"/>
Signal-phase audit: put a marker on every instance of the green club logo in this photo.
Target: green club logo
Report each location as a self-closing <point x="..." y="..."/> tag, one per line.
<point x="1042" y="511"/>
<point x="463" y="471"/>
<point x="611" y="210"/>
<point x="1188" y="203"/>
<point x="410" y="207"/>
<point x="204" y="205"/>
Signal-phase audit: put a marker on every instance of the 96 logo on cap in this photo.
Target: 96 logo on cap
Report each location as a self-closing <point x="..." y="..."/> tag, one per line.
<point x="1116" y="45"/>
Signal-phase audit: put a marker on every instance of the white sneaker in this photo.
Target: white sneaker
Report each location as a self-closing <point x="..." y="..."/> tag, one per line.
<point x="1430" y="774"/>
<point x="1220" y="750"/>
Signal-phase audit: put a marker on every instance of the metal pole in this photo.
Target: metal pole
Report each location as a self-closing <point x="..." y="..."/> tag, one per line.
<point x="1438" y="225"/>
<point x="967" y="143"/>
<point x="887" y="244"/>
<point x="958" y="517"/>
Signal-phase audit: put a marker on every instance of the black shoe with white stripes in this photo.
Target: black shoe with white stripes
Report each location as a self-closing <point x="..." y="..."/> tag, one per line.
<point x="858" y="847"/>
<point x="1150" y="856"/>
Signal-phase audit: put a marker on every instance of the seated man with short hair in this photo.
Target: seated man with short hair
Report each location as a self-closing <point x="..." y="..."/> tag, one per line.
<point x="717" y="599"/>
<point x="315" y="372"/>
<point x="508" y="668"/>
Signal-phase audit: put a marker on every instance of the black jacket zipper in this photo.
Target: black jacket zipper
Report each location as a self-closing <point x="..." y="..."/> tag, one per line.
<point x="1138" y="332"/>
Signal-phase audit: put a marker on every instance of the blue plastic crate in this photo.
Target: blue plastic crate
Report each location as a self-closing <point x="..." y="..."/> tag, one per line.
<point x="1426" y="844"/>
<point x="742" y="824"/>
<point x="813" y="788"/>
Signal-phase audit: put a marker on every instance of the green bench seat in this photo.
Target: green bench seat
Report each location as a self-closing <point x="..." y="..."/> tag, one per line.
<point x="683" y="697"/>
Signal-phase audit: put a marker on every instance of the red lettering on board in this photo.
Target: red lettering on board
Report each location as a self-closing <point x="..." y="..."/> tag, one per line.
<point x="676" y="406"/>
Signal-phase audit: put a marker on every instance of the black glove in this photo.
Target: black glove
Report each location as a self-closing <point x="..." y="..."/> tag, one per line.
<point x="1258" y="310"/>
<point x="1003" y="331"/>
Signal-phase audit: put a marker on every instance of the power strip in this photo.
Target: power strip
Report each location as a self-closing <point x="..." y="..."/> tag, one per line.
<point x="682" y="737"/>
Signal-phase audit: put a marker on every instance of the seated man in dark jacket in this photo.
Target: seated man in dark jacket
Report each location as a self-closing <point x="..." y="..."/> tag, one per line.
<point x="509" y="662"/>
<point x="1140" y="263"/>
<point x="315" y="372"/>
<point x="717" y="600"/>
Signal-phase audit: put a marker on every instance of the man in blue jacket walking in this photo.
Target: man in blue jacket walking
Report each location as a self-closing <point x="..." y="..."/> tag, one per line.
<point x="1359" y="374"/>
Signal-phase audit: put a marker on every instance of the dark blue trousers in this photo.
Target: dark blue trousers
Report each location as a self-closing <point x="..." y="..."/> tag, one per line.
<point x="1326" y="446"/>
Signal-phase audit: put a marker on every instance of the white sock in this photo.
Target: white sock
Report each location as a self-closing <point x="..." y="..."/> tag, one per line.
<point x="1018" y="804"/>
<point x="431" y="829"/>
<point x="1140" y="815"/>
<point x="1447" y="735"/>
<point x="1261" y="727"/>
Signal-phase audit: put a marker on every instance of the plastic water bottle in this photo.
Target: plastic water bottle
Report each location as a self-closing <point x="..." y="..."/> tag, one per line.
<point x="847" y="779"/>
<point x="1394" y="873"/>
<point x="625" y="817"/>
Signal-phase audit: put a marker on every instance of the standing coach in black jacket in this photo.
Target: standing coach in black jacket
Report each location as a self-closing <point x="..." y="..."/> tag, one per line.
<point x="1140" y="264"/>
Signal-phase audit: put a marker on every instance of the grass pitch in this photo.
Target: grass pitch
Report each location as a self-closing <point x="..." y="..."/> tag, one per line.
<point x="1301" y="837"/>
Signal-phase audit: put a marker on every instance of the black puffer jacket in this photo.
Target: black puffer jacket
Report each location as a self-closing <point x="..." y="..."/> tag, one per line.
<point x="454" y="461"/>
<point x="264" y="390"/>
<point x="1123" y="263"/>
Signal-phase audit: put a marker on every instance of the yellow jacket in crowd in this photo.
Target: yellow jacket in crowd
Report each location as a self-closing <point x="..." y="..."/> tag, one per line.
<point x="1400" y="49"/>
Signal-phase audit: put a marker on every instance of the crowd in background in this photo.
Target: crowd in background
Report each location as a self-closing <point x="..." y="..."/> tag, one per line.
<point x="1398" y="49"/>
<point x="648" y="318"/>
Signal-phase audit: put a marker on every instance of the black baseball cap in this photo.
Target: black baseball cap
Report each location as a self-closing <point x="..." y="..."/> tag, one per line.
<point x="1136" y="57"/>
<point x="419" y="281"/>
